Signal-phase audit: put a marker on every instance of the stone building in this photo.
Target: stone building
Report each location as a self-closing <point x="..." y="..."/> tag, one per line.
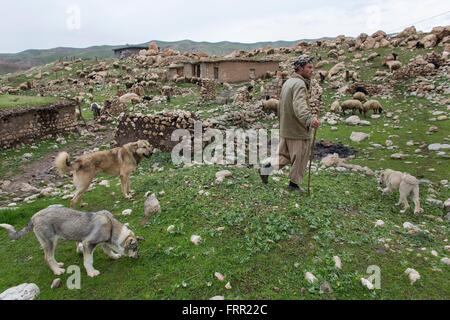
<point x="229" y="70"/>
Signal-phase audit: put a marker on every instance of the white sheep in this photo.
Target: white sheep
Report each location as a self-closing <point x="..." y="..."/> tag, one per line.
<point x="394" y="65"/>
<point x="270" y="105"/>
<point x="373" y="105"/>
<point x="360" y="96"/>
<point x="352" y="105"/>
<point x="336" y="107"/>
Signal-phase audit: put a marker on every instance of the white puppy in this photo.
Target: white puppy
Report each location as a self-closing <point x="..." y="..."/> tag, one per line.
<point x="406" y="184"/>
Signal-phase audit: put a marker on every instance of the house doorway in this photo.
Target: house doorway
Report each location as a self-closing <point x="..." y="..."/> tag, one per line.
<point x="216" y="73"/>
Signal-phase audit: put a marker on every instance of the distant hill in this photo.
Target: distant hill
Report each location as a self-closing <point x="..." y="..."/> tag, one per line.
<point x="11" y="62"/>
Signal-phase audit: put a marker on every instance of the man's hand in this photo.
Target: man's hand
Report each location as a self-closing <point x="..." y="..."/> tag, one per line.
<point x="315" y="123"/>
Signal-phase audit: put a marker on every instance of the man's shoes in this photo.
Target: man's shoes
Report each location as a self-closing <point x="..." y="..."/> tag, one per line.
<point x="295" y="188"/>
<point x="267" y="169"/>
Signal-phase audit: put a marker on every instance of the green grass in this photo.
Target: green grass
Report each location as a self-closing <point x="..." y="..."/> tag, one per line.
<point x="267" y="244"/>
<point x="12" y="101"/>
<point x="270" y="237"/>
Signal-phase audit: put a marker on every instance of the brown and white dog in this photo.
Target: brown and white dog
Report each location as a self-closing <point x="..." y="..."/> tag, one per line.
<point x="406" y="184"/>
<point x="121" y="161"/>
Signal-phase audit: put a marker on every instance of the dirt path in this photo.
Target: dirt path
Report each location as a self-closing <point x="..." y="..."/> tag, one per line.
<point x="40" y="173"/>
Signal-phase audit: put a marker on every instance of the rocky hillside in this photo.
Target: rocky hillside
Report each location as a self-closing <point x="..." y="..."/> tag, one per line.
<point x="24" y="60"/>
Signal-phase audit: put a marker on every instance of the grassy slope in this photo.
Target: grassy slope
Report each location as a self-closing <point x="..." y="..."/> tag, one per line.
<point x="264" y="232"/>
<point x="11" y="101"/>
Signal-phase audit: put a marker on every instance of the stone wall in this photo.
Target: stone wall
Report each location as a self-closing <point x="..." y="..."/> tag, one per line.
<point x="24" y="125"/>
<point x="157" y="129"/>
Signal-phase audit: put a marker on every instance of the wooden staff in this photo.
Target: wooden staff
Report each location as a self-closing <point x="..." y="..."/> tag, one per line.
<point x="311" y="160"/>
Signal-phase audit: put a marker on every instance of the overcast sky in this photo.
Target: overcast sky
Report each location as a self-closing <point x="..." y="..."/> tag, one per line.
<point x="31" y="24"/>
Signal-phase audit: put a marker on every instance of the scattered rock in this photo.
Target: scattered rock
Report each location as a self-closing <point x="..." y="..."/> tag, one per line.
<point x="127" y="212"/>
<point x="221" y="175"/>
<point x="196" y="239"/>
<point x="413" y="275"/>
<point x="151" y="207"/>
<point x="326" y="288"/>
<point x="337" y="262"/>
<point x="353" y="120"/>
<point x="447" y="205"/>
<point x="311" y="278"/>
<point x="56" y="284"/>
<point x="379" y="223"/>
<point x="27" y="156"/>
<point x="438" y="147"/>
<point x="411" y="228"/>
<point x="24" y="291"/>
<point x="219" y="276"/>
<point x="359" y="136"/>
<point x="366" y="283"/>
<point x="398" y="156"/>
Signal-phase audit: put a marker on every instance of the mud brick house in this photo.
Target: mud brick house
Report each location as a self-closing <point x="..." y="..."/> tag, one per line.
<point x="24" y="125"/>
<point x="228" y="70"/>
<point x="128" y="51"/>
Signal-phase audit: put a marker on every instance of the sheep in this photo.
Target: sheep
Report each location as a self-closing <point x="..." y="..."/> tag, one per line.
<point x="351" y="105"/>
<point x="362" y="89"/>
<point x="270" y="105"/>
<point x="351" y="75"/>
<point x="394" y="65"/>
<point x="336" y="107"/>
<point x="372" y="105"/>
<point x="360" y="96"/>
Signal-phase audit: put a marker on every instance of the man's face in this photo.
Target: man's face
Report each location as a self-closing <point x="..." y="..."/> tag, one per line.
<point x="307" y="71"/>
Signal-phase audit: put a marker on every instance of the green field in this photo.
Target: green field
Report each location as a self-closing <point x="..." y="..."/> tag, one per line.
<point x="12" y="101"/>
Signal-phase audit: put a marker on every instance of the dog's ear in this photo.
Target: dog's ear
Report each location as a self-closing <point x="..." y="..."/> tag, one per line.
<point x="134" y="146"/>
<point x="140" y="239"/>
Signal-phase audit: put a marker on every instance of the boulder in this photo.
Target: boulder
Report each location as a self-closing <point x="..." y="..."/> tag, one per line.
<point x="26" y="291"/>
<point x="441" y="32"/>
<point x="429" y="41"/>
<point x="438" y="147"/>
<point x="130" y="97"/>
<point x="359" y="136"/>
<point x="408" y="32"/>
<point x="353" y="120"/>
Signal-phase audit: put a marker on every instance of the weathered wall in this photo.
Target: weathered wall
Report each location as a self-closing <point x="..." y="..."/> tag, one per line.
<point x="236" y="71"/>
<point x="157" y="129"/>
<point x="24" y="125"/>
<point x="232" y="71"/>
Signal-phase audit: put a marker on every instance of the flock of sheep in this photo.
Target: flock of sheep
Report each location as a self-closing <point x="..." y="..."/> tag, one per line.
<point x="359" y="103"/>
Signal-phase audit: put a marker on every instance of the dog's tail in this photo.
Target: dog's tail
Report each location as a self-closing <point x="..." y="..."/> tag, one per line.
<point x="62" y="163"/>
<point x="16" y="235"/>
